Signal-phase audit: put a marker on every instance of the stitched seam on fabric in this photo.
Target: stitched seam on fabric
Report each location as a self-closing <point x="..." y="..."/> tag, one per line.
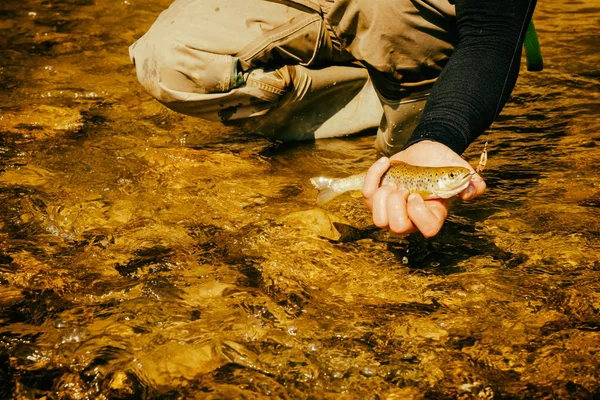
<point x="266" y="87"/>
<point x="271" y="39"/>
<point x="318" y="44"/>
<point x="300" y="4"/>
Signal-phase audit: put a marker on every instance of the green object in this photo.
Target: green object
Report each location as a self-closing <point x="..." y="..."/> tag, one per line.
<point x="533" y="54"/>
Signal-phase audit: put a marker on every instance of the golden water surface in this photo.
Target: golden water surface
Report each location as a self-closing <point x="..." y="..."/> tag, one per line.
<point x="145" y="254"/>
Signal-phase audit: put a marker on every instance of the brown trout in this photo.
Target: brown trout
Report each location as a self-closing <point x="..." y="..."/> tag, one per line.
<point x="429" y="182"/>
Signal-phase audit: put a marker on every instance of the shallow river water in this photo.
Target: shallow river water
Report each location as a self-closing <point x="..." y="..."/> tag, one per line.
<point x="144" y="254"/>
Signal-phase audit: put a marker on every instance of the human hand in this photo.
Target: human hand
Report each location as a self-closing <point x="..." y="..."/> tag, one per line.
<point x="396" y="210"/>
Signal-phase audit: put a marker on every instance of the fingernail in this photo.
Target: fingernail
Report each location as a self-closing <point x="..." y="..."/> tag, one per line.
<point x="413" y="197"/>
<point x="415" y="202"/>
<point x="382" y="160"/>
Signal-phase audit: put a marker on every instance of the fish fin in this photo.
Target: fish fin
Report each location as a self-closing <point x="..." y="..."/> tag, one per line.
<point x="427" y="195"/>
<point x="326" y="192"/>
<point x="326" y="195"/>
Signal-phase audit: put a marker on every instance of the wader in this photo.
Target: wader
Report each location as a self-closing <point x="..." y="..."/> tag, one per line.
<point x="299" y="69"/>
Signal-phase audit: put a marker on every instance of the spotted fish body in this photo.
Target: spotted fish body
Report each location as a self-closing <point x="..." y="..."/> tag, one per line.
<point x="428" y="182"/>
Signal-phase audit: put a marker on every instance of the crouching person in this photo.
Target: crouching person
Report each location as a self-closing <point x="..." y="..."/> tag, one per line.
<point x="430" y="75"/>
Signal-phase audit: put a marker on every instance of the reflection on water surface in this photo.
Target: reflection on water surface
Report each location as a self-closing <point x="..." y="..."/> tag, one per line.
<point x="145" y="254"/>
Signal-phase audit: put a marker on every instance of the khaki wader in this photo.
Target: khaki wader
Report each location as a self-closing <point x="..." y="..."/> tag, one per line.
<point x="299" y="69"/>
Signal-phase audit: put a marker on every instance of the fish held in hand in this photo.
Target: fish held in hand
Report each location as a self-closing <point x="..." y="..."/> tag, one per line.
<point x="428" y="182"/>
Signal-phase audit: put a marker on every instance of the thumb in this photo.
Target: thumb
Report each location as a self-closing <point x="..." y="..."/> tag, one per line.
<point x="476" y="188"/>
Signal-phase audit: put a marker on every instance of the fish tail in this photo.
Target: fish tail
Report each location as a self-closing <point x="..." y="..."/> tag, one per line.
<point x="326" y="188"/>
<point x="330" y="188"/>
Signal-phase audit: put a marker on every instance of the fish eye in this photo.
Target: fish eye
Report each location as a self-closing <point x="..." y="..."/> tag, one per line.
<point x="451" y="174"/>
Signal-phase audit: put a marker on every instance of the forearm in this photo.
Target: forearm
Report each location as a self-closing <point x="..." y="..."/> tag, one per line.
<point x="480" y="75"/>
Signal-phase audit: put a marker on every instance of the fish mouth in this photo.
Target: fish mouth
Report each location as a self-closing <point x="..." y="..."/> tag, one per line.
<point x="456" y="186"/>
<point x="464" y="182"/>
<point x="466" y="179"/>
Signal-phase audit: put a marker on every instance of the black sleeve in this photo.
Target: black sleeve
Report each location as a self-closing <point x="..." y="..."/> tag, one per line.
<point x="481" y="73"/>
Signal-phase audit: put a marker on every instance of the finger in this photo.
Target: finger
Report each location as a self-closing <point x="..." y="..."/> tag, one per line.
<point x="476" y="188"/>
<point x="380" y="199"/>
<point x="397" y="214"/>
<point x="373" y="179"/>
<point x="427" y="216"/>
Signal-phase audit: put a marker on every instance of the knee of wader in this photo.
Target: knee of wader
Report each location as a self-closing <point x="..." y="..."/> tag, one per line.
<point x="172" y="71"/>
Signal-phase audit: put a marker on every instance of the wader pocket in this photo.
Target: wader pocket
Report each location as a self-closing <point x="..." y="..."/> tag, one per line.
<point x="297" y="41"/>
<point x="197" y="71"/>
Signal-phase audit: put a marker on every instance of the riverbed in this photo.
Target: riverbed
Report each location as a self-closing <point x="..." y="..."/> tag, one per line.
<point x="146" y="254"/>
